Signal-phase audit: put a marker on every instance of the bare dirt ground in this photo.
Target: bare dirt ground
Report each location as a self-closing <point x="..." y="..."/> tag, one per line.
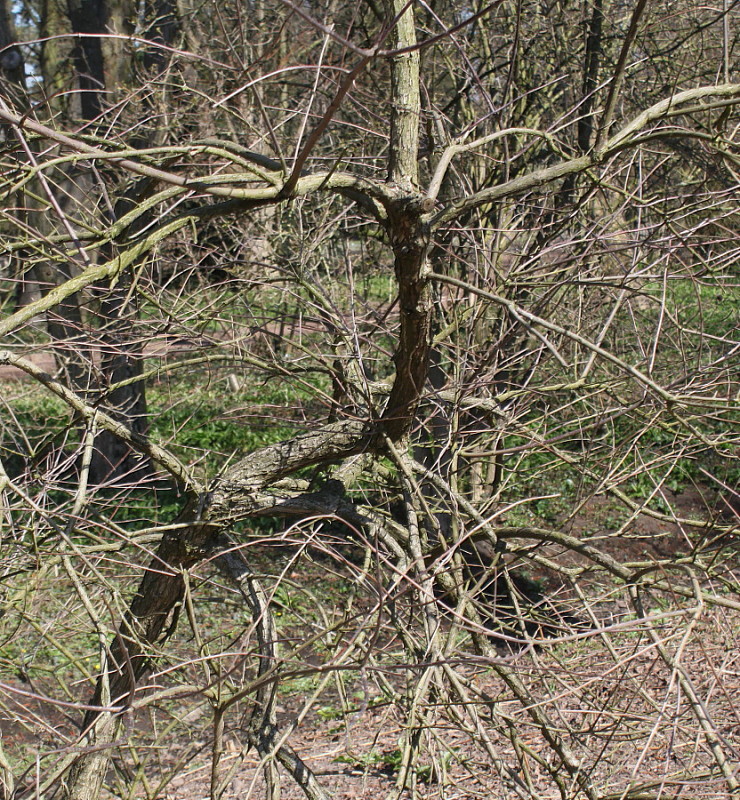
<point x="44" y="359"/>
<point x="626" y="715"/>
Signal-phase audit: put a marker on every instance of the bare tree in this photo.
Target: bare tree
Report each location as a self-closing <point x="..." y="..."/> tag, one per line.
<point x="487" y="260"/>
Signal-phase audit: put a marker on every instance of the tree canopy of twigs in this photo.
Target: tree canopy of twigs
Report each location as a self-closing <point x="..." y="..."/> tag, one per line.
<point x="379" y="358"/>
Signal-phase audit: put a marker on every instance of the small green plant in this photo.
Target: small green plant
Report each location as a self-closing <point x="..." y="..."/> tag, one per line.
<point x="330" y="713"/>
<point x="302" y="685"/>
<point x="391" y="762"/>
<point x="388" y="761"/>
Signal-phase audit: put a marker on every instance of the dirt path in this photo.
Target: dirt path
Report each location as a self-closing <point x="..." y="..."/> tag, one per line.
<point x="44" y="359"/>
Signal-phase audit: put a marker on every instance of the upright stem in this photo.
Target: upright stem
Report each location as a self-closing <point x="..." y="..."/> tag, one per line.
<point x="406" y="101"/>
<point x="590" y="76"/>
<point x="408" y="232"/>
<point x="726" y="39"/>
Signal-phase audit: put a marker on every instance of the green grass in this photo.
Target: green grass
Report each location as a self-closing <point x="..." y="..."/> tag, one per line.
<point x="32" y="423"/>
<point x="201" y="423"/>
<point x="712" y="306"/>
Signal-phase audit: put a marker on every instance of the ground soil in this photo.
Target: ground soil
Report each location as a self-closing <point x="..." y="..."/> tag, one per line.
<point x="626" y="715"/>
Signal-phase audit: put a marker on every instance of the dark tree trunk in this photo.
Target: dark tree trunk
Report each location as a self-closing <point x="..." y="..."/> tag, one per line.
<point x="80" y="80"/>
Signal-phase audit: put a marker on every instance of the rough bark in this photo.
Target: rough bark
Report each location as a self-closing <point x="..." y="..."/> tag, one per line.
<point x="410" y="241"/>
<point x="152" y="614"/>
<point x="406" y="102"/>
<point x="409" y="233"/>
<point x="82" y="76"/>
